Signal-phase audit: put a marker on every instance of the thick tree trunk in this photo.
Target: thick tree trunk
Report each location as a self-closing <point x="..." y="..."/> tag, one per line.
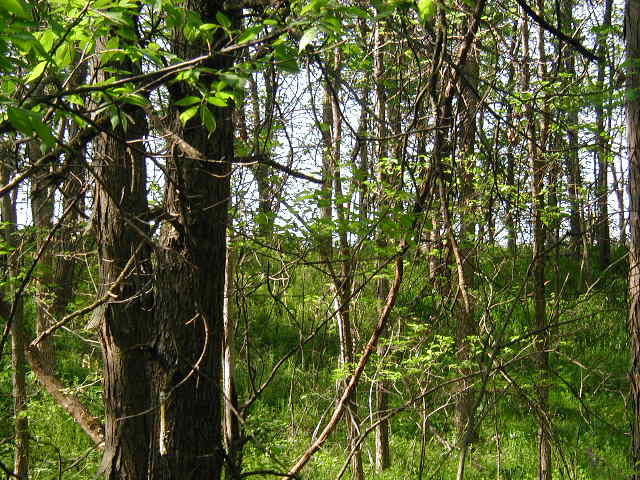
<point x="190" y="282"/>
<point x="632" y="14"/>
<point x="127" y="324"/>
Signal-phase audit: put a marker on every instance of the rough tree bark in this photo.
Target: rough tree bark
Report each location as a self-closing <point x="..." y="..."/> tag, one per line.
<point x="126" y="323"/>
<point x="632" y="14"/>
<point x="190" y="279"/>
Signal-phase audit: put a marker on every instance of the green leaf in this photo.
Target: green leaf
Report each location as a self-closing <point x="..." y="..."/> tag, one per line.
<point x="187" y="101"/>
<point x="28" y="123"/>
<point x="224" y="20"/>
<point x="426" y="9"/>
<point x="117" y="18"/>
<point x="234" y="80"/>
<point x="27" y="42"/>
<point x="136" y="99"/>
<point x="18" y="7"/>
<point x="217" y="101"/>
<point x="76" y="100"/>
<point x="308" y="37"/>
<point x="207" y="118"/>
<point x="20" y="120"/>
<point x="43" y="131"/>
<point x="188" y="114"/>
<point x="115" y="119"/>
<point x="249" y="34"/>
<point x="37" y="71"/>
<point x="207" y="27"/>
<point x="63" y="55"/>
<point x="357" y="12"/>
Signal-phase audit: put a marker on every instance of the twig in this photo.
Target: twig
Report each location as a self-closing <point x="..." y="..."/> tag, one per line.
<point x="362" y="363"/>
<point x="94" y="305"/>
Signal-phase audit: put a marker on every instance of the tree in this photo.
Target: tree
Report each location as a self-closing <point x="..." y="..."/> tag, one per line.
<point x="603" y="147"/>
<point x="632" y="13"/>
<point x="18" y="333"/>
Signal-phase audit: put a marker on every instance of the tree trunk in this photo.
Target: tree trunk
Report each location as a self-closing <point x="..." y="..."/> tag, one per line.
<point x="341" y="278"/>
<point x="567" y="60"/>
<point x="538" y="167"/>
<point x="262" y="140"/>
<point x="190" y="280"/>
<point x="632" y="13"/>
<point x="42" y="202"/>
<point x="382" y="452"/>
<point x="127" y="323"/>
<point x="618" y="188"/>
<point x="232" y="425"/>
<point x="466" y="323"/>
<point x="18" y="341"/>
<point x="603" y="149"/>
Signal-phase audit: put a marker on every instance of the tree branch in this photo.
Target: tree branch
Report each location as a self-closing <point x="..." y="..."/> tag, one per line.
<point x="557" y="33"/>
<point x="73" y="406"/>
<point x="362" y="363"/>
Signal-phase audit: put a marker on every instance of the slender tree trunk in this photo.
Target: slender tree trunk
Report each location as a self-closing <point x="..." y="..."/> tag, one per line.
<point x="382" y="452"/>
<point x="344" y="280"/>
<point x="567" y="61"/>
<point x="42" y="202"/>
<point x="18" y="336"/>
<point x="603" y="149"/>
<point x="262" y="138"/>
<point x="512" y="207"/>
<point x="466" y="322"/>
<point x="632" y="14"/>
<point x="618" y="188"/>
<point x="451" y="80"/>
<point x="566" y="65"/>
<point x="538" y="167"/>
<point x="232" y="425"/>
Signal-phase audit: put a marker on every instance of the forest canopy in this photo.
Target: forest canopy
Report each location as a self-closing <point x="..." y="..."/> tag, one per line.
<point x="319" y="238"/>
